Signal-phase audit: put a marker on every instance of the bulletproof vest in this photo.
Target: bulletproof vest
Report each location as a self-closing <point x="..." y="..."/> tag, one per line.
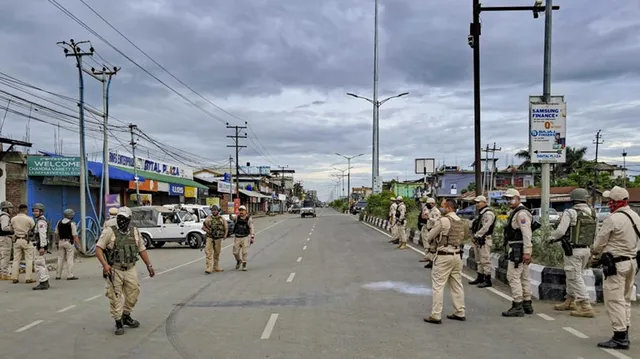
<point x="584" y="232"/>
<point x="477" y="224"/>
<point x="511" y="234"/>
<point x="456" y="232"/>
<point x="64" y="230"/>
<point x="5" y="233"/>
<point x="125" y="250"/>
<point x="241" y="227"/>
<point x="217" y="228"/>
<point x="34" y="235"/>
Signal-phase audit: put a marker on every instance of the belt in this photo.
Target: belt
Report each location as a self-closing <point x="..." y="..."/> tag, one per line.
<point x="580" y="246"/>
<point x="448" y="253"/>
<point x="622" y="259"/>
<point x="123" y="267"/>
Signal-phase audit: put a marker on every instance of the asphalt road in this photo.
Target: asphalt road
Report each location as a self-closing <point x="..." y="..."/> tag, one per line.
<point x="326" y="287"/>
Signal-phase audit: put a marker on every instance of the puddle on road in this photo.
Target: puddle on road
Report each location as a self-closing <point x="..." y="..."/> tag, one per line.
<point x="401" y="287"/>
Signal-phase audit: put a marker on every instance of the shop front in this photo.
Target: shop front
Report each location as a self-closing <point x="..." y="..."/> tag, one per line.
<point x="164" y="183"/>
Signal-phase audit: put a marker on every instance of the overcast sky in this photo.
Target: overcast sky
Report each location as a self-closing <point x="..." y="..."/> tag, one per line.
<point x="285" y="66"/>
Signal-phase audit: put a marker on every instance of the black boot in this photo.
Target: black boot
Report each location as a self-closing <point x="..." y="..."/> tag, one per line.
<point x="119" y="328"/>
<point x="238" y="263"/>
<point x="429" y="265"/>
<point x="516" y="310"/>
<point x="487" y="282"/>
<point x="527" y="306"/>
<point x="620" y="340"/>
<point x="42" y="285"/>
<point x="129" y="322"/>
<point x="479" y="279"/>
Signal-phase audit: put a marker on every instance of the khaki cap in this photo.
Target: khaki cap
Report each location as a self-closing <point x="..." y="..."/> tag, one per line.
<point x="480" y="199"/>
<point x="606" y="194"/>
<point x="619" y="194"/>
<point x="511" y="192"/>
<point x="431" y="200"/>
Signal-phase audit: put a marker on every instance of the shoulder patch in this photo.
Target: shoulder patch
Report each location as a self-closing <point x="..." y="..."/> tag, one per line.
<point x="523" y="221"/>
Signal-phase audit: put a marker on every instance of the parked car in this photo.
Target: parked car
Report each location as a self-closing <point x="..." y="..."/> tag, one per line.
<point x="358" y="207"/>
<point x="294" y="209"/>
<point x="159" y="225"/>
<point x="308" y="209"/>
<point x="467" y="212"/>
<point x="554" y="217"/>
<point x="201" y="212"/>
<point x="602" y="213"/>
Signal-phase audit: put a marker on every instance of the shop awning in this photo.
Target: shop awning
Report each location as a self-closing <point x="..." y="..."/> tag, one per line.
<point x="251" y="193"/>
<point x="164" y="178"/>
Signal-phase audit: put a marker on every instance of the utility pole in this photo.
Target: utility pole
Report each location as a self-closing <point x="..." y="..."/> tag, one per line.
<point x="230" y="182"/>
<point x="104" y="76"/>
<point x="488" y="178"/>
<point x="72" y="49"/>
<point x="133" y="144"/>
<point x="282" y="168"/>
<point x="474" y="42"/>
<point x="624" y="168"/>
<point x="597" y="142"/>
<point x="237" y="146"/>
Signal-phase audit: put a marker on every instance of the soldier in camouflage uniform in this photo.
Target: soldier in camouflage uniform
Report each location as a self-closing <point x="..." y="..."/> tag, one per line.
<point x="216" y="228"/>
<point x="577" y="230"/>
<point x="117" y="250"/>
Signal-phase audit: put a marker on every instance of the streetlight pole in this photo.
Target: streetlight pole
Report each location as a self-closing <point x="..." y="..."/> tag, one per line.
<point x="624" y="167"/>
<point x="349" y="158"/>
<point x="474" y="43"/>
<point x="375" y="162"/>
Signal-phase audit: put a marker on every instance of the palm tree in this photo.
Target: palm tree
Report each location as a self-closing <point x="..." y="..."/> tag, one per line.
<point x="575" y="158"/>
<point x="525" y="156"/>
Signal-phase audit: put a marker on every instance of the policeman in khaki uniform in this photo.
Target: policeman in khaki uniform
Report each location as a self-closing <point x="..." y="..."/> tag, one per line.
<point x="22" y="225"/>
<point x="41" y="239"/>
<point x="518" y="236"/>
<point x="117" y="250"/>
<point x="113" y="212"/>
<point x="433" y="215"/>
<point x="216" y="228"/>
<point x="6" y="233"/>
<point x="243" y="229"/>
<point x="577" y="231"/>
<point x="67" y="233"/>
<point x="616" y="246"/>
<point x="392" y="220"/>
<point x="447" y="237"/>
<point x="401" y="221"/>
<point x="482" y="229"/>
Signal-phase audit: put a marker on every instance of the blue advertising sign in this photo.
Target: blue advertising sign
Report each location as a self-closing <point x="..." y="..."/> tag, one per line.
<point x="226" y="177"/>
<point x="176" y="190"/>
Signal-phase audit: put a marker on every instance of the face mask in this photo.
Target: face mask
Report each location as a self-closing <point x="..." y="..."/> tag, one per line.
<point x="429" y="205"/>
<point x="442" y="210"/>
<point x="512" y="201"/>
<point x="123" y="222"/>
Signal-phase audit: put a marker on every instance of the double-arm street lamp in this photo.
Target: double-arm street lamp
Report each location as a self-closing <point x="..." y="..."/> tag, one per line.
<point x="375" y="165"/>
<point x="349" y="158"/>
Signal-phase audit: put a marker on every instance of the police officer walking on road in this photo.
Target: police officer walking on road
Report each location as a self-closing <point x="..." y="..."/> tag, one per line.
<point x="616" y="246"/>
<point x="22" y="226"/>
<point x="482" y="230"/>
<point x="117" y="250"/>
<point x="216" y="228"/>
<point x="577" y="232"/>
<point x="67" y="233"/>
<point x="447" y="236"/>
<point x="518" y="237"/>
<point x="392" y="221"/>
<point x="41" y="238"/>
<point x="433" y="215"/>
<point x="6" y="234"/>
<point x="243" y="229"/>
<point x="401" y="222"/>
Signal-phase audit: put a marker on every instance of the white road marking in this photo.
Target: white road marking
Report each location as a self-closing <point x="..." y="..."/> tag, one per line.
<point x="304" y="248"/>
<point x="545" y="317"/>
<point x="575" y="332"/>
<point x="616" y="353"/>
<point x="308" y="239"/>
<point x="92" y="298"/>
<point x="269" y="328"/>
<point x="299" y="259"/>
<point x="67" y="308"/>
<point x="492" y="290"/>
<point x="29" y="326"/>
<point x="310" y="233"/>
<point x="290" y="279"/>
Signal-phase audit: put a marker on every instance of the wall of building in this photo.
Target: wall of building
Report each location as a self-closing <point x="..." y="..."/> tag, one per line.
<point x="15" y="175"/>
